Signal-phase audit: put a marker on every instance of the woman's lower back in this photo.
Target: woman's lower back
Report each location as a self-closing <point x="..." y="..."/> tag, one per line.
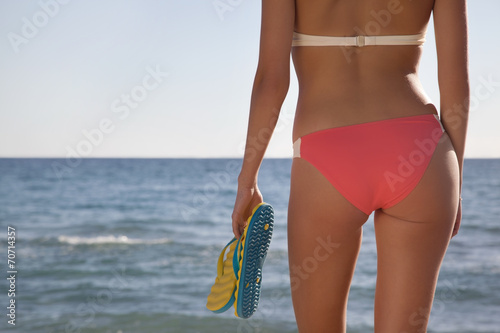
<point x="375" y="85"/>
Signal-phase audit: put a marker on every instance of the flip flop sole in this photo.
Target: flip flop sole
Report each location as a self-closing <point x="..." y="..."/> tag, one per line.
<point x="251" y="259"/>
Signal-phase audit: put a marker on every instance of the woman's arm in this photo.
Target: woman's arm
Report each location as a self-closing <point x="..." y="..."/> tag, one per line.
<point x="450" y="25"/>
<point x="269" y="91"/>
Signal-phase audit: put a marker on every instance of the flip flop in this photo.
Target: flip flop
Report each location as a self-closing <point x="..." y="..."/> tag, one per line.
<point x="251" y="252"/>
<point x="241" y="287"/>
<point x="221" y="296"/>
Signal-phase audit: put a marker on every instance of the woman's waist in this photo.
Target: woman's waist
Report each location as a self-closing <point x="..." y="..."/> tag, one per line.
<point x="312" y="118"/>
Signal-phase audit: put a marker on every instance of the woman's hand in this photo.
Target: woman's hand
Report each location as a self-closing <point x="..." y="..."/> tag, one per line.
<point x="246" y="199"/>
<point x="458" y="219"/>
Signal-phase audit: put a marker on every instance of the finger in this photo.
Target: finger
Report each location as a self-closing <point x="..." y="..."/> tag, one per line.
<point x="242" y="229"/>
<point x="236" y="226"/>
<point x="238" y="221"/>
<point x="236" y="231"/>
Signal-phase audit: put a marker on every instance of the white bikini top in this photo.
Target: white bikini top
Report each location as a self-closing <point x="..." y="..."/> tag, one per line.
<point x="359" y="41"/>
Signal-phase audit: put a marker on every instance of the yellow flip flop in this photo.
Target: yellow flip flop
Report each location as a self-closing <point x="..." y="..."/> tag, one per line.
<point x="221" y="296"/>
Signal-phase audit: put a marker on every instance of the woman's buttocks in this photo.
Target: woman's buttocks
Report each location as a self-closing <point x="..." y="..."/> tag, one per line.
<point x="341" y="86"/>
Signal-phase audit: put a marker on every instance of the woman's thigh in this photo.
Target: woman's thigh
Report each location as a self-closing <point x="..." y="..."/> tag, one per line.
<point x="324" y="236"/>
<point x="412" y="238"/>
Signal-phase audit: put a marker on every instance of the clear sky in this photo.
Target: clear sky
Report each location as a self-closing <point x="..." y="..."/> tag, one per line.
<point x="172" y="78"/>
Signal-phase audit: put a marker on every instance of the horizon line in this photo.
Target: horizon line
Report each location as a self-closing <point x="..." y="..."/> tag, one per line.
<point x="180" y="157"/>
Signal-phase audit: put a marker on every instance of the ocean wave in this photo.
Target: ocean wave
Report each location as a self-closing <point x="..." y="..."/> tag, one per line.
<point x="111" y="239"/>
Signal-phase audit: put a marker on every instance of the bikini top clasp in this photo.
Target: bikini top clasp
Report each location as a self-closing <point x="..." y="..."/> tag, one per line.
<point x="360" y="41"/>
<point x="300" y="39"/>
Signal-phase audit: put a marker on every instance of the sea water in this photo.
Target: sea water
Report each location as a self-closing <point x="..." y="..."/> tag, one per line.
<point x="130" y="245"/>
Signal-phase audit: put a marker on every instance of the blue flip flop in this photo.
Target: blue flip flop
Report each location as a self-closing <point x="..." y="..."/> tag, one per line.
<point x="250" y="254"/>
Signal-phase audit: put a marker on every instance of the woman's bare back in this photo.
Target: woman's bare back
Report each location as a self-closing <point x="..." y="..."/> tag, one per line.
<point x="349" y="85"/>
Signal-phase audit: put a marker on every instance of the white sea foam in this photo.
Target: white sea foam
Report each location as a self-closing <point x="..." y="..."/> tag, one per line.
<point x="111" y="239"/>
